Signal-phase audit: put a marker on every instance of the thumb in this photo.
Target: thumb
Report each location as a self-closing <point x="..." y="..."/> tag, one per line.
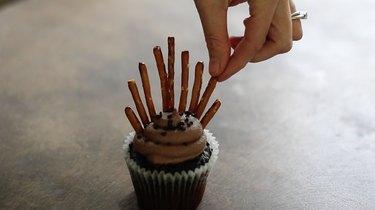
<point x="213" y="15"/>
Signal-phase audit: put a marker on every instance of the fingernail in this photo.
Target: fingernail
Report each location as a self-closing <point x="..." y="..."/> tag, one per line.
<point x="214" y="67"/>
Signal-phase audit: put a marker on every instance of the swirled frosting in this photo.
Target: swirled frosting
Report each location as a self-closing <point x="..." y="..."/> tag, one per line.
<point x="171" y="138"/>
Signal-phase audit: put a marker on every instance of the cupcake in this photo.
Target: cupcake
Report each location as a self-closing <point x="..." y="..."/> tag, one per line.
<point x="170" y="154"/>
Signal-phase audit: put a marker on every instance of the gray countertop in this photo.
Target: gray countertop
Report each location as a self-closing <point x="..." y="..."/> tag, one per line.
<point x="295" y="132"/>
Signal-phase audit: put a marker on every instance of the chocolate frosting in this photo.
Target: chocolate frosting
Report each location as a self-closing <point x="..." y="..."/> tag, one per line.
<point x="171" y="138"/>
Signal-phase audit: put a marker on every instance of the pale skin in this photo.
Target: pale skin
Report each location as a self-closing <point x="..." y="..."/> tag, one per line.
<point x="269" y="31"/>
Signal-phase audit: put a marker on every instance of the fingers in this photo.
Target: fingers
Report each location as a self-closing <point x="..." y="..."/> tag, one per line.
<point x="213" y="15"/>
<point x="268" y="31"/>
<point x="279" y="38"/>
<point x="296" y="24"/>
<point x="256" y="30"/>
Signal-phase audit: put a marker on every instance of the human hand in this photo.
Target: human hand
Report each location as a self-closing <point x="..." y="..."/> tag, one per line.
<point x="268" y="31"/>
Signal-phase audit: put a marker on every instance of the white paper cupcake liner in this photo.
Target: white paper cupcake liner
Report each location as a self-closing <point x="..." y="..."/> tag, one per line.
<point x="161" y="190"/>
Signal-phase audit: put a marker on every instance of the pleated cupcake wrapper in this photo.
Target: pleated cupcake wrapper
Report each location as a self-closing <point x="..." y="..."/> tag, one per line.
<point x="161" y="190"/>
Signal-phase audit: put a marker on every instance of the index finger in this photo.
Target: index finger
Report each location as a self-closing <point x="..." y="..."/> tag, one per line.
<point x="213" y="15"/>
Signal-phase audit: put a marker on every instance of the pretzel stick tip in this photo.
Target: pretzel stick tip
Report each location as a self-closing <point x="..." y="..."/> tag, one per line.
<point x="133" y="120"/>
<point x="171" y="60"/>
<point x="210" y="113"/>
<point x="163" y="76"/>
<point x="138" y="102"/>
<point x="205" y="97"/>
<point x="196" y="86"/>
<point x="147" y="89"/>
<point x="184" y="80"/>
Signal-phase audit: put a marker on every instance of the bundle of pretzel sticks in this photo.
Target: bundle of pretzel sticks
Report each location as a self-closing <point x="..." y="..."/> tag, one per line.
<point x="196" y="107"/>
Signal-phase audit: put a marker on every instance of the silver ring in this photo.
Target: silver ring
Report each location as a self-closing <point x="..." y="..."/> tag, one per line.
<point x="299" y="15"/>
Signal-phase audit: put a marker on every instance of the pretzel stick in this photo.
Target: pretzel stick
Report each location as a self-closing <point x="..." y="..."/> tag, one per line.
<point x="205" y="97"/>
<point x="171" y="52"/>
<point x="210" y="113"/>
<point x="184" y="80"/>
<point x="196" y="87"/>
<point x="163" y="76"/>
<point x="138" y="102"/>
<point x="147" y="89"/>
<point x="133" y="120"/>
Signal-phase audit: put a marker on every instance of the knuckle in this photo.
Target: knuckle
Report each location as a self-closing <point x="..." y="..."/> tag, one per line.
<point x="215" y="44"/>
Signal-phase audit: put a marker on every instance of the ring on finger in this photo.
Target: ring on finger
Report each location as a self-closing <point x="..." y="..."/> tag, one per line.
<point x="299" y="15"/>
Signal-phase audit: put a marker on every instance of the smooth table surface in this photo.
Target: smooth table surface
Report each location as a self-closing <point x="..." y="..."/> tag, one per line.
<point x="295" y="132"/>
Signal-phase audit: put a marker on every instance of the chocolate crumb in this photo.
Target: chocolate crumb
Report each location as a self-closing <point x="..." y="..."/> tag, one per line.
<point x="170" y="116"/>
<point x="181" y="113"/>
<point x="163" y="133"/>
<point x="186" y="120"/>
<point x="180" y="124"/>
<point x="158" y="116"/>
<point x="155" y="126"/>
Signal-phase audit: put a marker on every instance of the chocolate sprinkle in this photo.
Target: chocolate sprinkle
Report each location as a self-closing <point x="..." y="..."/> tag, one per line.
<point x="186" y="120"/>
<point x="180" y="126"/>
<point x="187" y="113"/>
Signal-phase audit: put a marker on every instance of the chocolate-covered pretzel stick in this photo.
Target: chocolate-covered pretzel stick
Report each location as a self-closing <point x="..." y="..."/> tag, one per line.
<point x="133" y="120"/>
<point x="171" y="59"/>
<point x="195" y="93"/>
<point x="184" y="80"/>
<point x="163" y="76"/>
<point x="205" y="97"/>
<point x="210" y="113"/>
<point x="138" y="102"/>
<point x="147" y="89"/>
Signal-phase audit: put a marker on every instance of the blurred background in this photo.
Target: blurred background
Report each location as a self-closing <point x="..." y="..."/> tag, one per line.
<point x="301" y="125"/>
